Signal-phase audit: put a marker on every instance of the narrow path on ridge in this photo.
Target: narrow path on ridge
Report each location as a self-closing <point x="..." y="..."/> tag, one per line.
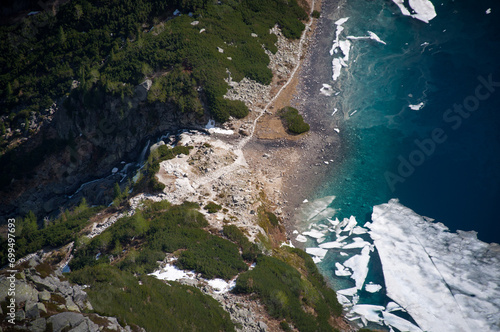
<point x="240" y="160"/>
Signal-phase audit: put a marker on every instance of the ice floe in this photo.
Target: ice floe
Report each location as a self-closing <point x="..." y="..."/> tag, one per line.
<point x="423" y="10"/>
<point x="301" y="238"/>
<point x="371" y="35"/>
<point x="369" y="312"/>
<point x="488" y="11"/>
<point x="446" y="281"/>
<point x="314" y="234"/>
<point x="317" y="252"/>
<point x="326" y="90"/>
<point x="399" y="323"/>
<point x="372" y="288"/>
<point x="341" y="270"/>
<point x="359" y="266"/>
<point x="417" y="106"/>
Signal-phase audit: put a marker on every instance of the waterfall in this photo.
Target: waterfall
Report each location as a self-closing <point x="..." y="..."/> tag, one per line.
<point x="143" y="154"/>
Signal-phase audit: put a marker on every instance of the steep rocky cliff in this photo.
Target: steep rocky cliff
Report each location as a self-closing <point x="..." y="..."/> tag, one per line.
<point x="82" y="144"/>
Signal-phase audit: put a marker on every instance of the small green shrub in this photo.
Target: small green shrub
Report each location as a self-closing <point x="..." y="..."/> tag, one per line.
<point x="212" y="207"/>
<point x="249" y="251"/>
<point x="293" y="121"/>
<point x="315" y="14"/>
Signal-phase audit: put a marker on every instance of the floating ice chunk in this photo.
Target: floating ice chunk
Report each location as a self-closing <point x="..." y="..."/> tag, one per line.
<point x="350" y="225"/>
<point x="348" y="291"/>
<point x="424" y="10"/>
<point x="341" y="271"/>
<point x="372" y="288"/>
<point x="316" y="259"/>
<point x="344" y="254"/>
<point x="314" y="234"/>
<point x="337" y="66"/>
<point x="399" y="323"/>
<point x="359" y="266"/>
<point x="345" y="47"/>
<point x="393" y="306"/>
<point x="337" y="130"/>
<point x="488" y="11"/>
<point x="369" y="312"/>
<point x="318" y="252"/>
<point x="326" y="90"/>
<point x="341" y="21"/>
<point x="334" y="222"/>
<point x="446" y="281"/>
<point x="417" y="106"/>
<point x="320" y="240"/>
<point x="358" y="230"/>
<point x="344" y="301"/>
<point x="301" y="238"/>
<point x="404" y="10"/>
<point x="376" y="38"/>
<point x="331" y="245"/>
<point x="358" y="243"/>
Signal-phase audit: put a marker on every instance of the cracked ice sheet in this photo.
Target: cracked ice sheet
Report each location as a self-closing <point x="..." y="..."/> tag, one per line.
<point x="318" y="209"/>
<point x="446" y="281"/>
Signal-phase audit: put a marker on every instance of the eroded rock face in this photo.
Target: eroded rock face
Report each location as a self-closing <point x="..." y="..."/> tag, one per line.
<point x="80" y="145"/>
<point x="36" y="297"/>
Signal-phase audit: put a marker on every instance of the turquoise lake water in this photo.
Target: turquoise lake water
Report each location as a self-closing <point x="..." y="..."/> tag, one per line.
<point x="442" y="158"/>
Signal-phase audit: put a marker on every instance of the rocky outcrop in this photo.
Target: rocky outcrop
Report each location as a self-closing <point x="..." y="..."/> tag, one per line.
<point x="50" y="303"/>
<point x="79" y="144"/>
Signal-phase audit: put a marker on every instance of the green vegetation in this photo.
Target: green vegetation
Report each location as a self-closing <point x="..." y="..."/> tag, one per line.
<point x="293" y="121"/>
<point x="289" y="294"/>
<point x="115" y="264"/>
<point x="249" y="250"/>
<point x="137" y="243"/>
<point x="111" y="46"/>
<point x="30" y="238"/>
<point x="316" y="14"/>
<point x="150" y="303"/>
<point x="149" y="181"/>
<point x="212" y="207"/>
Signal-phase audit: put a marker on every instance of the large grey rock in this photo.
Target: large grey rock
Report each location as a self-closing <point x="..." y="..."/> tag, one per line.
<point x="43" y="283"/>
<point x="71" y="306"/>
<point x="20" y="316"/>
<point x="38" y="325"/>
<point x="44" y="295"/>
<point x="32" y="311"/>
<point x="25" y="293"/>
<point x="64" y="287"/>
<point x="65" y="320"/>
<point x="86" y="326"/>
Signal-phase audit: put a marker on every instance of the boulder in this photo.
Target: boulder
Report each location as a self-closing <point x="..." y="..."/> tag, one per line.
<point x="65" y="320"/>
<point x="38" y="325"/>
<point x="33" y="310"/>
<point x="44" y="295"/>
<point x="43" y="283"/>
